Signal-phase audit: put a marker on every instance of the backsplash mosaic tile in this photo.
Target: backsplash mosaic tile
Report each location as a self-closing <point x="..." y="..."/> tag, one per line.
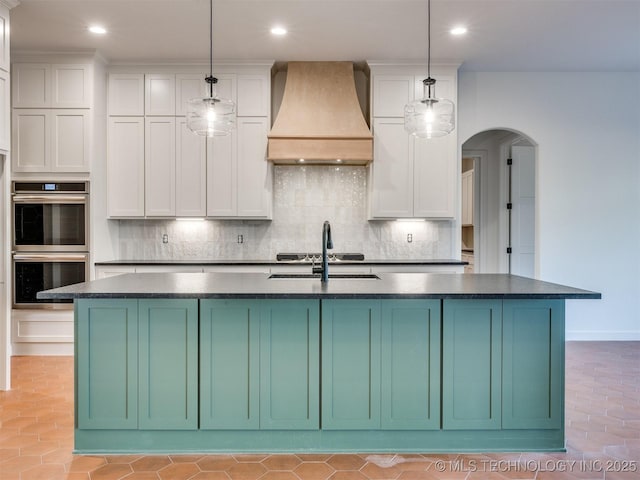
<point x="304" y="197"/>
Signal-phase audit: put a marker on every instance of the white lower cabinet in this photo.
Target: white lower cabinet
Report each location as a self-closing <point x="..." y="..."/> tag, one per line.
<point x="51" y="140"/>
<point x="405" y="268"/>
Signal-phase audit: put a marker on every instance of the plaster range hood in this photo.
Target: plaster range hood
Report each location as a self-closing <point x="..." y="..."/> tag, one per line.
<point x="320" y="119"/>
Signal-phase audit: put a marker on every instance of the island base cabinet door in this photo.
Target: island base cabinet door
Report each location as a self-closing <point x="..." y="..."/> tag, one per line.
<point x="289" y="365"/>
<point x="168" y="343"/>
<point x="471" y="364"/>
<point x="229" y="364"/>
<point x="533" y="368"/>
<point x="410" y="378"/>
<point x="107" y="364"/>
<point x="350" y="364"/>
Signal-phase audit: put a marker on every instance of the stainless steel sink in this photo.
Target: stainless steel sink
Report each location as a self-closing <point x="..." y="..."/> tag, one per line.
<point x="354" y="276"/>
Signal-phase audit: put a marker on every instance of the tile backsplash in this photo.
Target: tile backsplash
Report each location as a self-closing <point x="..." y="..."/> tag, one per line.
<point x="304" y="197"/>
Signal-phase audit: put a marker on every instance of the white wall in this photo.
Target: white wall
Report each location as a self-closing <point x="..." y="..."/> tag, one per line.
<point x="587" y="128"/>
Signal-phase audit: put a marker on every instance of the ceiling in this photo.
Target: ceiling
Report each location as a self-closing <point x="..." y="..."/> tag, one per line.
<point x="504" y="35"/>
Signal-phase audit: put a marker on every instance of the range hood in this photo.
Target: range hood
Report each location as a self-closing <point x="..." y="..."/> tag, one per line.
<point x="320" y="119"/>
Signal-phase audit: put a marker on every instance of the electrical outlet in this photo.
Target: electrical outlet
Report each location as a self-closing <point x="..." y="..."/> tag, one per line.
<point x="409" y="237"/>
<point x="165" y="238"/>
<point x="240" y="238"/>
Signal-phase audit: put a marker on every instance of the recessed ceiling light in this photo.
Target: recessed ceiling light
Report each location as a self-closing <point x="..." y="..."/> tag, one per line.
<point x="458" y="30"/>
<point x="97" y="29"/>
<point x="279" y="31"/>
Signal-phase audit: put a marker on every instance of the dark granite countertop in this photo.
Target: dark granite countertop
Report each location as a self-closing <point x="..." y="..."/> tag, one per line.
<point x="205" y="262"/>
<point x="256" y="285"/>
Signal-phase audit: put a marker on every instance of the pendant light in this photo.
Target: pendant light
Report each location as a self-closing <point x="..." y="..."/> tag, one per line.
<point x="211" y="116"/>
<point x="429" y="117"/>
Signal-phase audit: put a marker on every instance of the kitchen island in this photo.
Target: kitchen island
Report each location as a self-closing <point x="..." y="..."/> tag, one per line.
<point x="199" y="362"/>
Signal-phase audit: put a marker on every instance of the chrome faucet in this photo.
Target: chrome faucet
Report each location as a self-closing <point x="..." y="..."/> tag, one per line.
<point x="327" y="244"/>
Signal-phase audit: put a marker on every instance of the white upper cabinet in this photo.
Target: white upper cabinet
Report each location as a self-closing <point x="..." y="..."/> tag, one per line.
<point x="182" y="174"/>
<point x="191" y="172"/>
<point x="188" y="86"/>
<point x="254" y="95"/>
<point x="42" y="85"/>
<point x="160" y="167"/>
<point x="125" y="167"/>
<point x="31" y="85"/>
<point x="71" y="86"/>
<point x="70" y="140"/>
<point x="222" y="176"/>
<point x="31" y="140"/>
<point x="238" y="175"/>
<point x="254" y="172"/>
<point x="410" y="177"/>
<point x="5" y="112"/>
<point x="392" y="189"/>
<point x="51" y="140"/>
<point x="160" y="94"/>
<point x="391" y="93"/>
<point x="126" y="94"/>
<point x="4" y="38"/>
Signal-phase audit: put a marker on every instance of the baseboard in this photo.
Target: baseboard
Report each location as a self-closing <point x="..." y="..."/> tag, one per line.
<point x="603" y="336"/>
<point x="53" y="349"/>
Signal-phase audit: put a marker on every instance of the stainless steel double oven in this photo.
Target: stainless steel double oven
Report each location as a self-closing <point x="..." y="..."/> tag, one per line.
<point x="50" y="239"/>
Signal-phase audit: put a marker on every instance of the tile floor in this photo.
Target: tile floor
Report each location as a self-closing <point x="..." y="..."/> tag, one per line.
<point x="602" y="413"/>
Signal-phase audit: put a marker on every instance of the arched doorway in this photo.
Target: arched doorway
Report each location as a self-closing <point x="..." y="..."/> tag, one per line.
<point x="499" y="202"/>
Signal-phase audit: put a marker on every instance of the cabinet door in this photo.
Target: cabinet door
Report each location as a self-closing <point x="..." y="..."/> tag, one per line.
<point x="467" y="198"/>
<point x="391" y="93"/>
<point x="533" y="364"/>
<point x="168" y="365"/>
<point x="107" y="364"/>
<point x="350" y="364"/>
<point x="254" y="95"/>
<point x="435" y="161"/>
<point x="222" y="176"/>
<point x="188" y="86"/>
<point x="160" y="94"/>
<point x="410" y="365"/>
<point x="5" y="109"/>
<point x="289" y="365"/>
<point x="31" y="140"/>
<point x="71" y="86"/>
<point x="471" y="364"/>
<point x="125" y="167"/>
<point x="254" y="173"/>
<point x="392" y="170"/>
<point x="229" y="364"/>
<point x="191" y="172"/>
<point x="70" y="140"/>
<point x="160" y="167"/>
<point x="4" y="38"/>
<point x="31" y="85"/>
<point x="126" y="94"/>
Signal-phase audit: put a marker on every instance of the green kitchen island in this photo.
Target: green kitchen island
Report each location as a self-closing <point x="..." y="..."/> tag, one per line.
<point x="206" y="362"/>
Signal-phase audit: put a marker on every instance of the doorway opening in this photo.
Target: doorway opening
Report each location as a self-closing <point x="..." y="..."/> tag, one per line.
<point x="498" y="227"/>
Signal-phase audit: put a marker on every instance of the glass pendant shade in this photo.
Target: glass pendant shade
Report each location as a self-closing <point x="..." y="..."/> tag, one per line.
<point x="211" y="116"/>
<point x="429" y="117"/>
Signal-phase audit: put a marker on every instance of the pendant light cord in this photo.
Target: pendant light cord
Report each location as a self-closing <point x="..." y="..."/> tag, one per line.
<point x="429" y="38"/>
<point x="211" y="38"/>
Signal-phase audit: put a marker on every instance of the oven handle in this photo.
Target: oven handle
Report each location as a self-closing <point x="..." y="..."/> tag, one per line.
<point x="49" y="198"/>
<point x="61" y="257"/>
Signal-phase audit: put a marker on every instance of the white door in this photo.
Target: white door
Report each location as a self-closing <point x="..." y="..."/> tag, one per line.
<point x="523" y="213"/>
<point x="5" y="363"/>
